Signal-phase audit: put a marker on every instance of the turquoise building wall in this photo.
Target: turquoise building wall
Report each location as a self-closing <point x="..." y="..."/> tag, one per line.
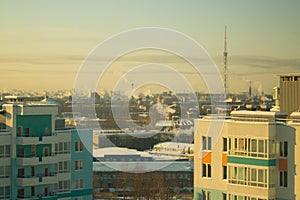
<point x="40" y="126"/>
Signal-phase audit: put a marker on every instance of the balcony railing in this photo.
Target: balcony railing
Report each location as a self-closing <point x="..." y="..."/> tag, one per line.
<point x="49" y="196"/>
<point x="33" y="159"/>
<point x="4" y="132"/>
<point x="29" y="180"/>
<point x="30" y="139"/>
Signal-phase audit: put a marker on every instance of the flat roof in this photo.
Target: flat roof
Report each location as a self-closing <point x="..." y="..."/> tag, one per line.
<point x="289" y="74"/>
<point x="15" y="97"/>
<point x="258" y="114"/>
<point x="176" y="166"/>
<point x="295" y="115"/>
<point x="101" y="152"/>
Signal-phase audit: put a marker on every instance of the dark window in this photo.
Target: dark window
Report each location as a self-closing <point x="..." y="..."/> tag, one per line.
<point x="224" y="196"/>
<point x="283" y="182"/>
<point x="203" y="170"/>
<point x="27" y="131"/>
<point x="224" y="144"/>
<point x="208" y="170"/>
<point x="283" y="149"/>
<point x="224" y="172"/>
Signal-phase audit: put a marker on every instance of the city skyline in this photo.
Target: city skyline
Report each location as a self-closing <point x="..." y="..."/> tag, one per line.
<point x="44" y="44"/>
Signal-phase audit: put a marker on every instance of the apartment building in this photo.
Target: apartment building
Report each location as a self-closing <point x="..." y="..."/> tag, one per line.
<point x="38" y="162"/>
<point x="253" y="157"/>
<point x="289" y="95"/>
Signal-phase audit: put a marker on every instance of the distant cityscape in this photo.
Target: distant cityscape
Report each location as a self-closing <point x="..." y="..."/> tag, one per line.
<point x="47" y="151"/>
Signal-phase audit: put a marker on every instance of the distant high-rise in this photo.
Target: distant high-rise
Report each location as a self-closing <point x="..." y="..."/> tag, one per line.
<point x="225" y="61"/>
<point x="289" y="93"/>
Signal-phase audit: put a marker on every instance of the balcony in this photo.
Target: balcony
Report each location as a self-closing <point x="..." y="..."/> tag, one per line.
<point x="48" y="159"/>
<point x="50" y="178"/>
<point x="32" y="159"/>
<point x="4" y="132"/>
<point x="27" y="181"/>
<point x="27" y="139"/>
<point x="24" y="160"/>
<point x="50" y="196"/>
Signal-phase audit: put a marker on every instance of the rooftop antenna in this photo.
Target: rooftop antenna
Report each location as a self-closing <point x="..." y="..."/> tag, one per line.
<point x="225" y="62"/>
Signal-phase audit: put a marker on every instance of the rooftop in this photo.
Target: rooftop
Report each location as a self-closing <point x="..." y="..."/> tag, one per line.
<point x="177" y="166"/>
<point x="258" y="114"/>
<point x="289" y="74"/>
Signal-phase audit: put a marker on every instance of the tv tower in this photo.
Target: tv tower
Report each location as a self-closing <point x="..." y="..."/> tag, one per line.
<point x="225" y="62"/>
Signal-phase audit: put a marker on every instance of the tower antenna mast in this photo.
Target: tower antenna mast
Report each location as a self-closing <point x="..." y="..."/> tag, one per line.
<point x="225" y="62"/>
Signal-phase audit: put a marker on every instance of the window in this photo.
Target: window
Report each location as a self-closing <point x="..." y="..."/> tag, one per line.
<point x="283" y="149"/>
<point x="46" y="151"/>
<point x="283" y="182"/>
<point x="251" y="176"/>
<point x="224" y="172"/>
<point x="224" y="196"/>
<point x="206" y="143"/>
<point x="21" y="173"/>
<point x="252" y="147"/>
<point x="78" y="146"/>
<point x="63" y="186"/>
<point x="32" y="191"/>
<point x="62" y="147"/>
<point x="206" y="170"/>
<point x="19" y="131"/>
<point x="21" y="193"/>
<point x="4" y="171"/>
<point x="272" y="178"/>
<point x="78" y="183"/>
<point x="47" y="131"/>
<point x="224" y="144"/>
<point x="272" y="148"/>
<point x="206" y="195"/>
<point x="239" y="197"/>
<point x="26" y="132"/>
<point x="63" y="167"/>
<point x="204" y="147"/>
<point x="4" y="151"/>
<point x="5" y="192"/>
<point x="78" y="164"/>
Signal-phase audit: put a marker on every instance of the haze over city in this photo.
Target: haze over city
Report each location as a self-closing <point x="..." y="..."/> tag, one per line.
<point x="44" y="43"/>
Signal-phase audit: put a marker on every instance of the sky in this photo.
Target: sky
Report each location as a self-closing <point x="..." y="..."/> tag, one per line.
<point x="44" y="43"/>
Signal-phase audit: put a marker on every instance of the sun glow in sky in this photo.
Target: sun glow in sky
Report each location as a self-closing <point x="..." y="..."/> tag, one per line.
<point x="43" y="43"/>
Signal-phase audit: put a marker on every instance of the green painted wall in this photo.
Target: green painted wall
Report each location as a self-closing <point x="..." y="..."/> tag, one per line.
<point x="215" y="194"/>
<point x="76" y="193"/>
<point x="36" y="123"/>
<point x="251" y="161"/>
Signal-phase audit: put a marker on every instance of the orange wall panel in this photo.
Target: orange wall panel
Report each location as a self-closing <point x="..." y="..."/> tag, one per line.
<point x="206" y="157"/>
<point x="224" y="159"/>
<point x="283" y="164"/>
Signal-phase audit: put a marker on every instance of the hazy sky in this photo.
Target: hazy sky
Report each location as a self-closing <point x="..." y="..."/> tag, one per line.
<point x="43" y="43"/>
